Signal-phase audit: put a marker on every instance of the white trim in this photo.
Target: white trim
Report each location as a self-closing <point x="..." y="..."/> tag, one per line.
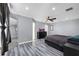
<point x="24" y="42"/>
<point x="0" y="48"/>
<point x="33" y="31"/>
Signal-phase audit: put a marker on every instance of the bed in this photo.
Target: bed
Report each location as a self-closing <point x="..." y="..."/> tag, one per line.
<point x="56" y="41"/>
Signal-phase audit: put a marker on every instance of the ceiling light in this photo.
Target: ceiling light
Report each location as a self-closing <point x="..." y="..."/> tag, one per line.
<point x="53" y="8"/>
<point x="27" y="8"/>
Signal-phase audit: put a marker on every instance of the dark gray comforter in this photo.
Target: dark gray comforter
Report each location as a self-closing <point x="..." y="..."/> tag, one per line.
<point x="57" y="39"/>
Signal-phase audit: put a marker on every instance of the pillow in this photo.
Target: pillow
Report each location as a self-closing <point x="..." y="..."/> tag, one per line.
<point x="74" y="38"/>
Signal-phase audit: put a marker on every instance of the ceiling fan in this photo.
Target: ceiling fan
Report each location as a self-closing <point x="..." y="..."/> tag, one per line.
<point x="50" y="19"/>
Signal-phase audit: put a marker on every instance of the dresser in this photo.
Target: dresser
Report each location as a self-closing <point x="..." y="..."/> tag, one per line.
<point x="41" y="35"/>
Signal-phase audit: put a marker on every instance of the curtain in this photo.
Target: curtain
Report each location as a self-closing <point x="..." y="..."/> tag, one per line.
<point x="3" y="27"/>
<point x="5" y="39"/>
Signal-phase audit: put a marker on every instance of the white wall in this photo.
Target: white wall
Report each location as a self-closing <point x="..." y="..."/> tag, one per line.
<point x="66" y="27"/>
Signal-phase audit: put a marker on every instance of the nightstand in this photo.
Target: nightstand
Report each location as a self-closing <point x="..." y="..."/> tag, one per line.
<point x="71" y="49"/>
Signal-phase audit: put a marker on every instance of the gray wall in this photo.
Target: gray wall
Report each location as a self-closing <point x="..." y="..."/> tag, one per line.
<point x="24" y="29"/>
<point x="41" y="25"/>
<point x="66" y="27"/>
<point x="13" y="27"/>
<point x="37" y="26"/>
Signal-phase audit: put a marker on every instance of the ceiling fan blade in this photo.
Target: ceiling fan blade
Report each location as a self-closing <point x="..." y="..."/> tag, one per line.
<point x="52" y="19"/>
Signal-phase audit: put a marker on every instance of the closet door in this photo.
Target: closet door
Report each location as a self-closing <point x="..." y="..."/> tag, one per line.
<point x="24" y="29"/>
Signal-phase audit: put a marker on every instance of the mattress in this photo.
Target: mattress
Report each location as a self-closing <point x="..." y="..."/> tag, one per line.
<point x="57" y="39"/>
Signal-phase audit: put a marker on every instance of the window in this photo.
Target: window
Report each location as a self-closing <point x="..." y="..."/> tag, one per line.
<point x="46" y="28"/>
<point x="51" y="28"/>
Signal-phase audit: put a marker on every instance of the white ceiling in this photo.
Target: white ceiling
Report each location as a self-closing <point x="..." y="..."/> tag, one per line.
<point x="39" y="11"/>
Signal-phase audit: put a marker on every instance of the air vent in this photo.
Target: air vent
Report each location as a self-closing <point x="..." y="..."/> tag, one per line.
<point x="69" y="9"/>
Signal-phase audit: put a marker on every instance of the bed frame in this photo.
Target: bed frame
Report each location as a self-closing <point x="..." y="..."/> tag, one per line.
<point x="54" y="45"/>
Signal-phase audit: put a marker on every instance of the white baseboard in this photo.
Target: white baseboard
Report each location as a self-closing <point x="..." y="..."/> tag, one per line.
<point x="24" y="42"/>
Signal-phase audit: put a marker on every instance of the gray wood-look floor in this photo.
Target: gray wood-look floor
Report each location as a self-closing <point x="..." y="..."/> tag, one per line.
<point x="40" y="49"/>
